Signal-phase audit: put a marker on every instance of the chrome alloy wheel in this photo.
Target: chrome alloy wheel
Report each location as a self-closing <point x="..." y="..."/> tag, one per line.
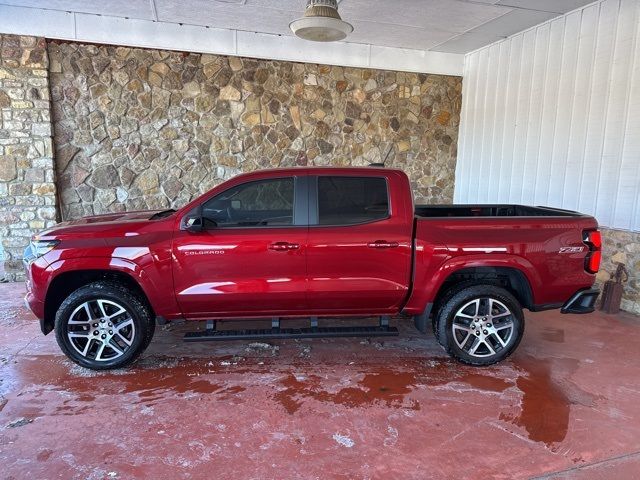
<point x="483" y="327"/>
<point x="101" y="330"/>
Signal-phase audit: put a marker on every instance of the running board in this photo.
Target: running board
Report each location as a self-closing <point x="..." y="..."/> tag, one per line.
<point x="279" y="333"/>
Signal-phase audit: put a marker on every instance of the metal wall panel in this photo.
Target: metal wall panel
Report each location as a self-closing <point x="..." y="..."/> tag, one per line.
<point x="551" y="116"/>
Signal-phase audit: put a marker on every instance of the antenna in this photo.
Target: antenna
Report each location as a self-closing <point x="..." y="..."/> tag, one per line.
<point x="381" y="164"/>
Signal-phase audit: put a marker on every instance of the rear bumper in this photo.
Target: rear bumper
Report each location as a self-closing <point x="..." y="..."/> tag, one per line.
<point x="583" y="301"/>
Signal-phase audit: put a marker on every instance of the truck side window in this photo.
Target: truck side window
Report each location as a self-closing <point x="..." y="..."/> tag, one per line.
<point x="352" y="200"/>
<point x="263" y="203"/>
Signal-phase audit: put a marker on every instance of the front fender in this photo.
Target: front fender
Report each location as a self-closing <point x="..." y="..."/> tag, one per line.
<point x="156" y="285"/>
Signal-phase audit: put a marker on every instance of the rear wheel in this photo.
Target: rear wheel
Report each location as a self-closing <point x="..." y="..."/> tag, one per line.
<point x="103" y="325"/>
<point x="480" y="324"/>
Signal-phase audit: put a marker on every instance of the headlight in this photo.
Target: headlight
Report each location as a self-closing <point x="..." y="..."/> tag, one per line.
<point x="38" y="248"/>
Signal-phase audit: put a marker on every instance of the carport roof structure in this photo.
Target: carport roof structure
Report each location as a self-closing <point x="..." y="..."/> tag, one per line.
<point x="412" y="35"/>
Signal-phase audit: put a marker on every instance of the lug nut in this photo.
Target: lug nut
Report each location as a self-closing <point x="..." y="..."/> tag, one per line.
<point x="95" y="332"/>
<point x="103" y="336"/>
<point x="489" y="325"/>
<point x="485" y="332"/>
<point x="110" y="324"/>
<point x="110" y="332"/>
<point x="95" y="325"/>
<point x="102" y="320"/>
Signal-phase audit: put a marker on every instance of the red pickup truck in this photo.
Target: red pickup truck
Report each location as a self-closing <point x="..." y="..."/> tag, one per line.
<point x="310" y="242"/>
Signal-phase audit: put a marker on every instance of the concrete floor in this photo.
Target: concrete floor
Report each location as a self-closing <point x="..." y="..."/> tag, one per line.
<point x="565" y="406"/>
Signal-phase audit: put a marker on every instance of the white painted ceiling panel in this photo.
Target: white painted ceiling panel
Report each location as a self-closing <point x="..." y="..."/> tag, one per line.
<point x="513" y="22"/>
<point x="453" y="16"/>
<point x="224" y="15"/>
<point x="553" y="6"/>
<point x="454" y="26"/>
<point x="118" y="8"/>
<point x="466" y="43"/>
<point x="391" y="36"/>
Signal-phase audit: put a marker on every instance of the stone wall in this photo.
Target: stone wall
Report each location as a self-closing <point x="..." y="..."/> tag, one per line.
<point x="138" y="129"/>
<point x="27" y="188"/>
<point x="622" y="247"/>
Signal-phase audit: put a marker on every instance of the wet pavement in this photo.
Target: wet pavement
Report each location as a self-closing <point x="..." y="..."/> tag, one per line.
<point x="565" y="406"/>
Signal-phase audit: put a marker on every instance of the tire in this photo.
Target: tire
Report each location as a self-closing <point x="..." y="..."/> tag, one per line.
<point x="443" y="301"/>
<point x="480" y="324"/>
<point x="103" y="326"/>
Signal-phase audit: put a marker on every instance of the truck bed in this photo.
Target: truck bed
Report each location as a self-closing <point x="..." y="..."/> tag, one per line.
<point x="502" y="210"/>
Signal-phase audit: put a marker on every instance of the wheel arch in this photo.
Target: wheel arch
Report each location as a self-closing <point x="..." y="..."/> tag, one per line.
<point x="63" y="284"/>
<point x="510" y="278"/>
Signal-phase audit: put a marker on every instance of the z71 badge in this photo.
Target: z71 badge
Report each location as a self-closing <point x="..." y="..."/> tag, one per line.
<point x="570" y="249"/>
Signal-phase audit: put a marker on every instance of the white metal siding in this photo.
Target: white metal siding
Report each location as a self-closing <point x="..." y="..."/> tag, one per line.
<point x="551" y="116"/>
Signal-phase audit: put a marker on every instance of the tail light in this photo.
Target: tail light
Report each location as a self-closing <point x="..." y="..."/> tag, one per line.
<point x="593" y="240"/>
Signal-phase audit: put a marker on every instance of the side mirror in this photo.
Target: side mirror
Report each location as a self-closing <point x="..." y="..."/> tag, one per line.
<point x="194" y="224"/>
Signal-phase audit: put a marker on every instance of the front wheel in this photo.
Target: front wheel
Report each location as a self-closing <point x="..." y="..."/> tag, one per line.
<point x="480" y="325"/>
<point x="103" y="326"/>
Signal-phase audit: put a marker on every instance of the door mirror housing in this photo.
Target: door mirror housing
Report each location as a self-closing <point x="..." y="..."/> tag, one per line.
<point x="194" y="224"/>
<point x="194" y="221"/>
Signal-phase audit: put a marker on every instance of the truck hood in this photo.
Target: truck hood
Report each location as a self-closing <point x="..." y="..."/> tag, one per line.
<point x="112" y="217"/>
<point x="98" y="223"/>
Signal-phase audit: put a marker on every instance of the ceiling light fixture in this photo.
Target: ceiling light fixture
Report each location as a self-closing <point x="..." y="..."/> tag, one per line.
<point x="321" y="22"/>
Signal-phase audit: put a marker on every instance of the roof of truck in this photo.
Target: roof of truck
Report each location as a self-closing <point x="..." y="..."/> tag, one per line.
<point x="322" y="170"/>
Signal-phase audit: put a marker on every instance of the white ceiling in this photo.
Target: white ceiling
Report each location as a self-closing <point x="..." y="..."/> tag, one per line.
<point x="452" y="26"/>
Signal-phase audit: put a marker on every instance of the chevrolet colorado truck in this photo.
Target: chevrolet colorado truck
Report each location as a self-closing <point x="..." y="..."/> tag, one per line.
<point x="308" y="243"/>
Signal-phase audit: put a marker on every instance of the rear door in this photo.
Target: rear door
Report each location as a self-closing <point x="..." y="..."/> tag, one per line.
<point x="250" y="258"/>
<point x="359" y="252"/>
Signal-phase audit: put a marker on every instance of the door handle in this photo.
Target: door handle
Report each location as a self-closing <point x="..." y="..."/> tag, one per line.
<point x="382" y="244"/>
<point x="283" y="246"/>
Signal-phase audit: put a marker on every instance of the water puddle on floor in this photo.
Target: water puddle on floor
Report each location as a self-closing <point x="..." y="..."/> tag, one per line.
<point x="544" y="410"/>
<point x="387" y="387"/>
<point x="538" y="400"/>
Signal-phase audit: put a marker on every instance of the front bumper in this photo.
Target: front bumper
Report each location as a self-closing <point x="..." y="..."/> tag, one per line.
<point x="583" y="301"/>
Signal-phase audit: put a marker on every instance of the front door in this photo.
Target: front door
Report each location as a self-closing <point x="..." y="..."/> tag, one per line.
<point x="249" y="260"/>
<point x="359" y="252"/>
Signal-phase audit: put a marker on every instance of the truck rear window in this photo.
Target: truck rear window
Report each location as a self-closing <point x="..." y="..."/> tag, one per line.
<point x="352" y="200"/>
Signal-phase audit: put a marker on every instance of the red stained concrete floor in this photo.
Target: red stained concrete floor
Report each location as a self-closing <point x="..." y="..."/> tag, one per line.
<point x="565" y="406"/>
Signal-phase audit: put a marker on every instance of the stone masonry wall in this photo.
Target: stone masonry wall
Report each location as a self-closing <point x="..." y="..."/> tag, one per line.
<point x="27" y="188"/>
<point x="138" y="129"/>
<point x="622" y="247"/>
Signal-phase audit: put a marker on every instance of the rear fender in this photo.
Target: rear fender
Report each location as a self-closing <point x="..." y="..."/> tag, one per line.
<point x="428" y="283"/>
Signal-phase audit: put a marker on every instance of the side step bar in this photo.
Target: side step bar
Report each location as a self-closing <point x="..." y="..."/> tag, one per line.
<point x="211" y="334"/>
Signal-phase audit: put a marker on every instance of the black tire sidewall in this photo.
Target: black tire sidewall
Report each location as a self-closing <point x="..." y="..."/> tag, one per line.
<point x="135" y="308"/>
<point x="459" y="299"/>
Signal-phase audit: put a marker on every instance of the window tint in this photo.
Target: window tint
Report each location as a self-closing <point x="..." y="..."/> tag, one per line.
<point x="264" y="203"/>
<point x="350" y="200"/>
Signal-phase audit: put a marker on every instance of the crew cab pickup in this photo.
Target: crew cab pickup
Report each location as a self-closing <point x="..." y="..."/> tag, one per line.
<point x="308" y="243"/>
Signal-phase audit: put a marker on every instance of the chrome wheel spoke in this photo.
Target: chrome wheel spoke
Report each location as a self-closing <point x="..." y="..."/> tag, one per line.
<point x="477" y="305"/>
<point x="502" y="327"/>
<point x="500" y="340"/>
<point x="81" y="334"/>
<point x="461" y="327"/>
<point x="100" y="351"/>
<point x="124" y="339"/>
<point x="87" y="309"/>
<point x="488" y="345"/>
<point x="85" y="350"/>
<point x="474" y="346"/>
<point x="114" y="346"/>
<point x="126" y="323"/>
